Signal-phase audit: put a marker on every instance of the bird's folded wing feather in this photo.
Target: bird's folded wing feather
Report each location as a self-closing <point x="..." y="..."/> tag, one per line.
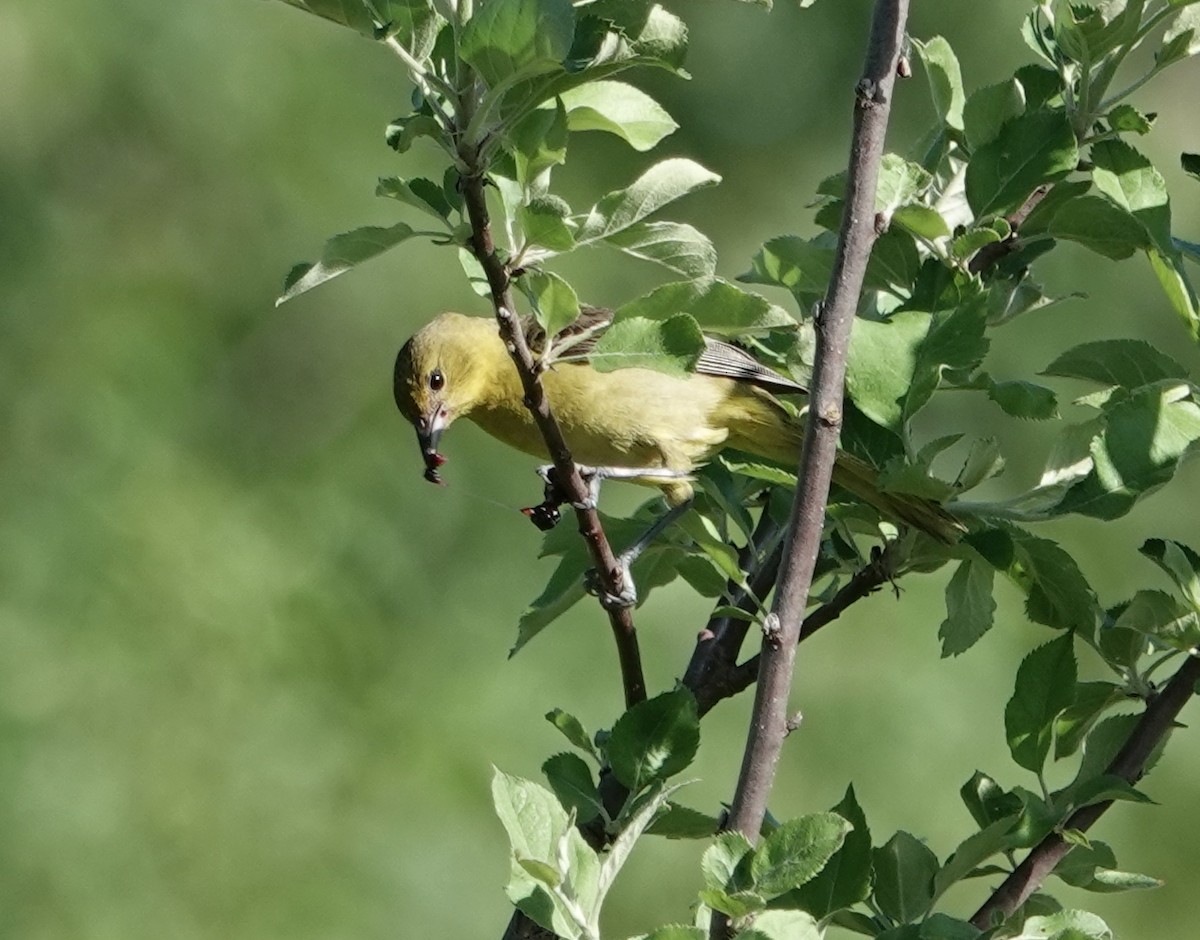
<point x="719" y="358"/>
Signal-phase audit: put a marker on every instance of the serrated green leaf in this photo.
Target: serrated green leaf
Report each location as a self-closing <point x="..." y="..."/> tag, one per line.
<point x="544" y="221"/>
<point x="904" y="872"/>
<point x="672" y="346"/>
<point x="1126" y="119"/>
<point x="972" y="852"/>
<point x="340" y="254"/>
<point x="661" y="184"/>
<point x="683" y="822"/>
<point x="1030" y="151"/>
<point x="783" y="925"/>
<point x="945" y="79"/>
<point x="1045" y="686"/>
<point x="654" y="739"/>
<point x="793" y="853"/>
<point x="799" y="265"/>
<point x="987" y="801"/>
<point x="970" y="608"/>
<point x="1132" y="182"/>
<point x="571" y="780"/>
<point x="1065" y="925"/>
<point x="419" y="193"/>
<point x="411" y="22"/>
<point x="1145" y="436"/>
<point x="988" y="108"/>
<point x="1024" y="400"/>
<point x="922" y="221"/>
<point x="573" y="730"/>
<point x="506" y="38"/>
<point x="1168" y="268"/>
<point x="1092" y="699"/>
<point x="1181" y="564"/>
<point x="1102" y="226"/>
<point x="846" y="878"/>
<point x="726" y="863"/>
<point x="681" y="248"/>
<point x="719" y="307"/>
<point x="619" y="109"/>
<point x="1163" y="617"/>
<point x="1127" y="363"/>
<point x="555" y="304"/>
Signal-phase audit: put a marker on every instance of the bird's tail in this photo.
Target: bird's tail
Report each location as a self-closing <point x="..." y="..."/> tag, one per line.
<point x="861" y="479"/>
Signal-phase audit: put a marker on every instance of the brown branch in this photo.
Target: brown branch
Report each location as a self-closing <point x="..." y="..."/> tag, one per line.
<point x="1129" y="765"/>
<point x="768" y="725"/>
<point x="607" y="568"/>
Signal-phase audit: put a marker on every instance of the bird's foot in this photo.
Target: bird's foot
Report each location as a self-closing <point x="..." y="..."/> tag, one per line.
<point x="623" y="599"/>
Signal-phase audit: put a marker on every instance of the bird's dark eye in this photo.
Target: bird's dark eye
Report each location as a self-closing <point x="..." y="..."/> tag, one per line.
<point x="436" y="380"/>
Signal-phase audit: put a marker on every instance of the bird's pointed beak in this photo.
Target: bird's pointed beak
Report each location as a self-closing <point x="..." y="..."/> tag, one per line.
<point x="429" y="433"/>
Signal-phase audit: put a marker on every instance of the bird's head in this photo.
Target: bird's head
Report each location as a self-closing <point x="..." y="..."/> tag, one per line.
<point x="440" y="375"/>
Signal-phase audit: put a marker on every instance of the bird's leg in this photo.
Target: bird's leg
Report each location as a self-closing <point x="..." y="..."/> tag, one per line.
<point x="545" y="515"/>
<point x="628" y="594"/>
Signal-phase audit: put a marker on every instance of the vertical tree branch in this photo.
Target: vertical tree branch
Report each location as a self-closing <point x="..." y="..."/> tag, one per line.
<point x="605" y="560"/>
<point x="1129" y="765"/>
<point x="782" y="631"/>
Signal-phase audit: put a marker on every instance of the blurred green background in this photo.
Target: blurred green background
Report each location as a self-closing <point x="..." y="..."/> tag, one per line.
<point x="252" y="668"/>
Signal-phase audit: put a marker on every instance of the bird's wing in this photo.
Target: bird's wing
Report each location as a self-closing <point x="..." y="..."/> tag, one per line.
<point x="719" y="357"/>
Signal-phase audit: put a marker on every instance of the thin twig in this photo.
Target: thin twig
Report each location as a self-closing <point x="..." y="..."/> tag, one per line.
<point x="607" y="568"/>
<point x="1129" y="765"/>
<point x="768" y="726"/>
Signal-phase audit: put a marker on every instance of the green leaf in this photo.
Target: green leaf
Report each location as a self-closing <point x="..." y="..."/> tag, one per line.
<point x="1098" y="224"/>
<point x="1182" y="37"/>
<point x="1093" y="868"/>
<point x="900" y="182"/>
<point x="987" y="801"/>
<point x="1131" y="181"/>
<point x="1127" y="363"/>
<point x="945" y="79"/>
<point x="883" y="358"/>
<point x="413" y="22"/>
<point x="677" y="932"/>
<point x="419" y="193"/>
<point x="654" y="739"/>
<point x="1092" y="700"/>
<point x="983" y="462"/>
<point x="1145" y="436"/>
<point x="1126" y="119"/>
<point x="718" y="306"/>
<point x="1190" y="162"/>
<point x="1174" y="280"/>
<point x="1065" y="925"/>
<point x="782" y="925"/>
<point x="672" y="346"/>
<point x="661" y="184"/>
<point x="676" y="246"/>
<point x="1024" y="400"/>
<point x="793" y="853"/>
<point x="846" y="878"/>
<point x="340" y="254"/>
<point x="1057" y="594"/>
<point x="1181" y="564"/>
<point x="403" y="132"/>
<point x="683" y="822"/>
<point x="922" y="221"/>
<point x="1030" y="151"/>
<point x="970" y="608"/>
<point x="799" y="265"/>
<point x="537" y="144"/>
<point x="571" y="780"/>
<point x="988" y="108"/>
<point x="531" y="815"/>
<point x="507" y="38"/>
<point x="974" y="851"/>
<point x="904" y="872"/>
<point x="573" y="730"/>
<point x="725" y="864"/>
<point x="555" y="304"/>
<point x="1163" y="617"/>
<point x="544" y="222"/>
<point x="619" y="109"/>
<point x="1045" y="686"/>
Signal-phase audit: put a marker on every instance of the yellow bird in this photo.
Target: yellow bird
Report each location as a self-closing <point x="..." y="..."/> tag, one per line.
<point x="636" y="419"/>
